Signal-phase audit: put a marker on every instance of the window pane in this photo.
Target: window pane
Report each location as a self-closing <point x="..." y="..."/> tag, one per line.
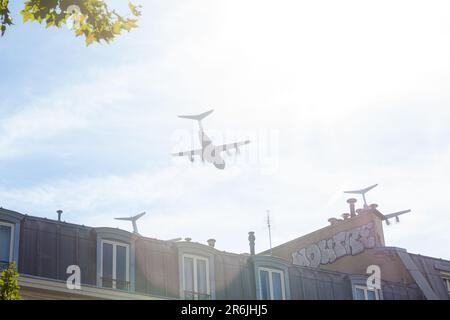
<point x="371" y="295"/>
<point x="107" y="265"/>
<point x="121" y="267"/>
<point x="360" y="294"/>
<point x="201" y="277"/>
<point x="5" y="244"/>
<point x="188" y="277"/>
<point x="265" y="289"/>
<point x="277" y="288"/>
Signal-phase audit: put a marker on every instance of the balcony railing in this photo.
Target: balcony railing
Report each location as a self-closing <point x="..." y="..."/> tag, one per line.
<point x="115" y="284"/>
<point x="3" y="265"/>
<point x="191" y="295"/>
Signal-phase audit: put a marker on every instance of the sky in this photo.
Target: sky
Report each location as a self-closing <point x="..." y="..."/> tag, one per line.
<point x="334" y="95"/>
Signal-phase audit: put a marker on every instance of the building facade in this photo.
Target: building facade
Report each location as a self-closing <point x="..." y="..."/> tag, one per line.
<point x="330" y="263"/>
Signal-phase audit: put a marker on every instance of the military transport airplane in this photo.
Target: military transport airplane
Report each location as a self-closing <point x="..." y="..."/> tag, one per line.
<point x="208" y="151"/>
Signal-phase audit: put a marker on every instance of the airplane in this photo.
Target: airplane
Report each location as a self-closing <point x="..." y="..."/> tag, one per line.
<point x="208" y="151"/>
<point x="133" y="221"/>
<point x="362" y="192"/>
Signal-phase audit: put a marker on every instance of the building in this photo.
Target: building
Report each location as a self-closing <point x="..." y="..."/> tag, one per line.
<point x="330" y="263"/>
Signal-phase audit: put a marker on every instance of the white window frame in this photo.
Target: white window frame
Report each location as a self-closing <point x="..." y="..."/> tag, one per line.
<point x="446" y="279"/>
<point x="208" y="281"/>
<point x="114" y="262"/>
<point x="271" y="271"/>
<point x="366" y="289"/>
<point x="11" y="241"/>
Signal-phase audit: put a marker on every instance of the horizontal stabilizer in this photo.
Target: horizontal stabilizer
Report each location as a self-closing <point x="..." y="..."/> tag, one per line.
<point x="198" y="117"/>
<point x="134" y="218"/>
<point x="362" y="191"/>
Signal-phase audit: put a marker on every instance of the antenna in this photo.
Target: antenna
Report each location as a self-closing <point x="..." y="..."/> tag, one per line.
<point x="362" y="192"/>
<point x="270" y="234"/>
<point x="133" y="221"/>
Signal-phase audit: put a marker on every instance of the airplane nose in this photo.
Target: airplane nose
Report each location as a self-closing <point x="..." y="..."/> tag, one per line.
<point x="220" y="166"/>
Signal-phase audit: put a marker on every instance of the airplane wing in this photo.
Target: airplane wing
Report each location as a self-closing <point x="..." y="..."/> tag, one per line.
<point x="396" y="214"/>
<point x="230" y="146"/>
<point x="189" y="153"/>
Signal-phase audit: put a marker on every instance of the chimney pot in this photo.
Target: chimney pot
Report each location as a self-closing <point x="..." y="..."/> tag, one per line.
<point x="251" y="240"/>
<point x="211" y="242"/>
<point x="345" y="216"/>
<point x="333" y="221"/>
<point x="59" y="212"/>
<point x="188" y="239"/>
<point x="352" y="202"/>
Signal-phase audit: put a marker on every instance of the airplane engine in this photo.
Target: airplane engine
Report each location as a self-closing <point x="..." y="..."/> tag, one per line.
<point x="238" y="151"/>
<point x="191" y="157"/>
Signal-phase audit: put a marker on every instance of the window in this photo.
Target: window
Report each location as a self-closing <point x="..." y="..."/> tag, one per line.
<point x="364" y="293"/>
<point x="6" y="243"/>
<point x="271" y="284"/>
<point x="447" y="283"/>
<point x="196" y="284"/>
<point x="115" y="267"/>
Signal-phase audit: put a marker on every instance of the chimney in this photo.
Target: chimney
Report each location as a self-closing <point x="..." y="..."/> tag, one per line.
<point x="187" y="239"/>
<point x="251" y="240"/>
<point x="333" y="221"/>
<point x="345" y="216"/>
<point x="59" y="212"/>
<point x="352" y="202"/>
<point x="211" y="242"/>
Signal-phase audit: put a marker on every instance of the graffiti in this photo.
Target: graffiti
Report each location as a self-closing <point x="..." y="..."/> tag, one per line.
<point x="344" y="243"/>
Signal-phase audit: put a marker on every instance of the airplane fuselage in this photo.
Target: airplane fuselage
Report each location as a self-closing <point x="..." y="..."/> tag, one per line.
<point x="209" y="152"/>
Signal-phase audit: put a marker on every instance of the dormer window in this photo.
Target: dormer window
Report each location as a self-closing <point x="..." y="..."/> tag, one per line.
<point x="6" y="244"/>
<point x="271" y="278"/>
<point x="364" y="293"/>
<point x="196" y="278"/>
<point x="115" y="269"/>
<point x="271" y="284"/>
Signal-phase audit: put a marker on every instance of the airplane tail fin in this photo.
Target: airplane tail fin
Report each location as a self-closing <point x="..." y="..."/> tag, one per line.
<point x="198" y="117"/>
